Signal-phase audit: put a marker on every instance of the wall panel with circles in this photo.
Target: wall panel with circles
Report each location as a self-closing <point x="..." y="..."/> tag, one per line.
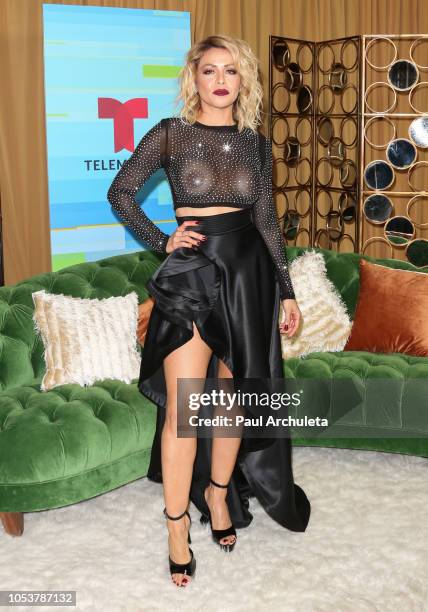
<point x="291" y="132"/>
<point x="394" y="155"/>
<point x="349" y="127"/>
<point x="314" y="94"/>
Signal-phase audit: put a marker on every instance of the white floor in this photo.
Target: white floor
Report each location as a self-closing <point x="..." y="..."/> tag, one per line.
<point x="365" y="547"/>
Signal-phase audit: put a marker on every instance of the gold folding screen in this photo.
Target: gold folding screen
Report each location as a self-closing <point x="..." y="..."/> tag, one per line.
<point x="349" y="128"/>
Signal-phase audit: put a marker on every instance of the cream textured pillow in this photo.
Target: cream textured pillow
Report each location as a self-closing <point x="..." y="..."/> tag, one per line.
<point x="87" y="339"/>
<point x="325" y="324"/>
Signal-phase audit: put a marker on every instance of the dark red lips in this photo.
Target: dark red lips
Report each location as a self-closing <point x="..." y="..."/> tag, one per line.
<point x="221" y="92"/>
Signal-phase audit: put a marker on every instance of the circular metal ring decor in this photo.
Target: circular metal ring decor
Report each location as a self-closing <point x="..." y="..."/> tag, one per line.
<point x="280" y="90"/>
<point x="416" y="166"/>
<point x="379" y="119"/>
<point x="304" y="99"/>
<point x="298" y="168"/>
<point x="344" y="121"/>
<point x="293" y="77"/>
<point x="320" y="51"/>
<point x="348" y="174"/>
<point x="298" y="198"/>
<point x="337" y="77"/>
<point x="377" y="208"/>
<point x="292" y="151"/>
<point x="375" y="41"/>
<point x="282" y="202"/>
<point x="373" y="199"/>
<point x="383" y="241"/>
<point x="417" y="252"/>
<point x="349" y="87"/>
<point x="342" y="53"/>
<point x="378" y="174"/>
<point x="300" y="121"/>
<point x="283" y="125"/>
<point x="322" y="234"/>
<point x="403" y="75"/>
<point x="325" y="161"/>
<point x="325" y="130"/>
<point x="385" y="85"/>
<point x="347" y="206"/>
<point x="342" y="239"/>
<point x="281" y="55"/>
<point x="290" y="224"/>
<point x="300" y="48"/>
<point x="418" y="132"/>
<point x="401" y="153"/>
<point x="399" y="231"/>
<point x="327" y="208"/>
<point x="275" y="173"/>
<point x="330" y="108"/>
<point x="415" y="43"/>
<point x="414" y="90"/>
<point x="334" y="225"/>
<point x="336" y="152"/>
<point x="411" y="203"/>
<point x="303" y="230"/>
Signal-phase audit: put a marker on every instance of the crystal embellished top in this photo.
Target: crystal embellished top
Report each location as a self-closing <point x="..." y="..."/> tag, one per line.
<point x="206" y="165"/>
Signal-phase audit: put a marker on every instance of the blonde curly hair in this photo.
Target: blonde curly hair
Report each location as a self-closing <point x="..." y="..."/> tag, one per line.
<point x="247" y="108"/>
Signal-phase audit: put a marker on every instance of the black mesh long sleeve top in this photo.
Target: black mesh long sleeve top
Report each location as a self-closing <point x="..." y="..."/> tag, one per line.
<point x="206" y="165"/>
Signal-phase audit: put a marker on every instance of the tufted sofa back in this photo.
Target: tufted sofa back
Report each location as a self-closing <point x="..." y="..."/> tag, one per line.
<point x="343" y="271"/>
<point x="21" y="348"/>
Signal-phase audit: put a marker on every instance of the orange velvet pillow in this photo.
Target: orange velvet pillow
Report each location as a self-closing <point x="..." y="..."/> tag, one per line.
<point x="392" y="311"/>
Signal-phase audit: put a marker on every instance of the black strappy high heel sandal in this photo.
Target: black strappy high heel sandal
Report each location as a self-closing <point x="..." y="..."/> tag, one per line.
<point x="188" y="568"/>
<point x="219" y="534"/>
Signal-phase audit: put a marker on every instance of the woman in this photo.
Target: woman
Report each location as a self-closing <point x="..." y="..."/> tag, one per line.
<point x="217" y="296"/>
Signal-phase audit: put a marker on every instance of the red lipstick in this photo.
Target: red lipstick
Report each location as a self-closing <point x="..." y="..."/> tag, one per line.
<point x="221" y="92"/>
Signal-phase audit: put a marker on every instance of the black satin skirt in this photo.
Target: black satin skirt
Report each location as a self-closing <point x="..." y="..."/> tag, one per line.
<point x="229" y="289"/>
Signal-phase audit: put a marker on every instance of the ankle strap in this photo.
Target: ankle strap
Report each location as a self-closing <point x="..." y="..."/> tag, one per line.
<point x="175" y="518"/>
<point x="219" y="485"/>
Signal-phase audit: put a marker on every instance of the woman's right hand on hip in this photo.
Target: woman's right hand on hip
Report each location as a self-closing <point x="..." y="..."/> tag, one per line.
<point x="184" y="237"/>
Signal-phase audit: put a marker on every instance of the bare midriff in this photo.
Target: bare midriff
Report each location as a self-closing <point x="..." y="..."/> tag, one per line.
<point x="184" y="211"/>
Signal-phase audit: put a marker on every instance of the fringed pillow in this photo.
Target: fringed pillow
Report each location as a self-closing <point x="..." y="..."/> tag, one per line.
<point x="86" y="340"/>
<point x="325" y="324"/>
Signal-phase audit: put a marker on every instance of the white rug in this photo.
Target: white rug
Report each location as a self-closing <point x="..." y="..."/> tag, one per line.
<point x="365" y="548"/>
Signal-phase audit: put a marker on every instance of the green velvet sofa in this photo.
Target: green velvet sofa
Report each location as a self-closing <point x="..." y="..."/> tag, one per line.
<point x="72" y="443"/>
<point x="373" y="401"/>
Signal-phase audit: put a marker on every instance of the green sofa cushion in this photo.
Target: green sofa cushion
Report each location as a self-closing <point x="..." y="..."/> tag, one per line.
<point x="389" y="391"/>
<point x="89" y="436"/>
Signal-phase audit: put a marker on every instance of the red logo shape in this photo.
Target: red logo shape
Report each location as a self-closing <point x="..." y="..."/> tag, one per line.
<point x="123" y="115"/>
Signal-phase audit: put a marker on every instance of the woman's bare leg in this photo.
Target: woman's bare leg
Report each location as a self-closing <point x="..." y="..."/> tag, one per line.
<point x="223" y="459"/>
<point x="178" y="454"/>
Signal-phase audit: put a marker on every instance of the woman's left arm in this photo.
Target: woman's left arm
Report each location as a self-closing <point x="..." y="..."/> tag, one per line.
<point x="266" y="220"/>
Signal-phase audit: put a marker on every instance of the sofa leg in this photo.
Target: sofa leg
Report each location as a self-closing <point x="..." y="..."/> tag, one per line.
<point x="13" y="522"/>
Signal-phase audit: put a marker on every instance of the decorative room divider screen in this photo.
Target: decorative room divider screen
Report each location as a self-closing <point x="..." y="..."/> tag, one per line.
<point x="349" y="128"/>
